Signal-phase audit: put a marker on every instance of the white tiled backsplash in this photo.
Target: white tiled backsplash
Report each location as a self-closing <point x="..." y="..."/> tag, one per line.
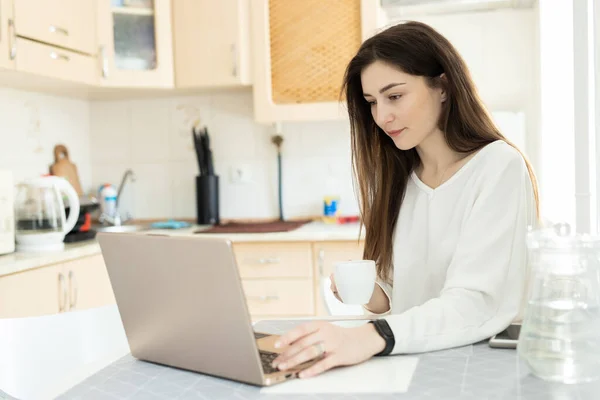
<point x="153" y="137"/>
<point x="32" y="124"/>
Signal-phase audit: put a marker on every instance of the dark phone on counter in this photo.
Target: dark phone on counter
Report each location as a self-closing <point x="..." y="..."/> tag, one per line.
<point x="507" y="339"/>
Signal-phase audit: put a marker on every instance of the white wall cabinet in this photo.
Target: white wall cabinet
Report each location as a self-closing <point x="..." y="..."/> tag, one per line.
<point x="134" y="44"/>
<point x="68" y="24"/>
<point x="300" y="52"/>
<point x="211" y="41"/>
<point x="54" y="62"/>
<point x="53" y="39"/>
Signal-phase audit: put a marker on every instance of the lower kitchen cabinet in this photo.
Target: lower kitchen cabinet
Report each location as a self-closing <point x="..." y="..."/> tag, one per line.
<point x="35" y="292"/>
<point x="282" y="279"/>
<point x="73" y="285"/>
<point x="88" y="283"/>
<point x="279" y="297"/>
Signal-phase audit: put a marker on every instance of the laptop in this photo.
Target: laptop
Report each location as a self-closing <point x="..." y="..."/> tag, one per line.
<point x="182" y="305"/>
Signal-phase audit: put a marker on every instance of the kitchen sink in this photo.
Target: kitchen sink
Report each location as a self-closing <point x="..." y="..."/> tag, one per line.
<point x="121" y="228"/>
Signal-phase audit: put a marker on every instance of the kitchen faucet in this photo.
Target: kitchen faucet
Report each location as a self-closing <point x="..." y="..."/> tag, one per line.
<point x="116" y="219"/>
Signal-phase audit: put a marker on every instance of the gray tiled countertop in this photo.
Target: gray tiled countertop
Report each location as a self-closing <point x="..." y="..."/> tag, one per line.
<point x="473" y="372"/>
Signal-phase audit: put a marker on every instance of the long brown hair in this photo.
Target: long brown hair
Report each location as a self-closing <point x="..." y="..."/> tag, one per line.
<point x="382" y="170"/>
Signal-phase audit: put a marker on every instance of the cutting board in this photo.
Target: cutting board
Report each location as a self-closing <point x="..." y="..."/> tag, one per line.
<point x="65" y="168"/>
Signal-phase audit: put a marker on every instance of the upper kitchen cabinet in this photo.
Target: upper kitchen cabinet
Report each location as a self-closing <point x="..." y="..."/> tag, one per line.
<point x="212" y="43"/>
<point x="63" y="23"/>
<point x="54" y="39"/>
<point x="135" y="43"/>
<point x="7" y="35"/>
<point x="301" y="49"/>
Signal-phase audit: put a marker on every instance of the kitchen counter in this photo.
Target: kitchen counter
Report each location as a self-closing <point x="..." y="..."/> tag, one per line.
<point x="18" y="262"/>
<point x="314" y="232"/>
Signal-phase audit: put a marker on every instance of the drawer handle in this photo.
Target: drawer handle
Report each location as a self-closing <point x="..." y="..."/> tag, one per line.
<point x="73" y="289"/>
<point x="234" y="54"/>
<point x="269" y="260"/>
<point x="13" y="39"/>
<point x="62" y="293"/>
<point x="264" y="299"/>
<point x="321" y="261"/>
<point x="58" y="29"/>
<point x="56" y="56"/>
<point x="104" y="62"/>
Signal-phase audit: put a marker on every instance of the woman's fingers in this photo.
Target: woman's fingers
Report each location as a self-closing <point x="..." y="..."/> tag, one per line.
<point x="319" y="367"/>
<point x="297" y="333"/>
<point x="333" y="288"/>
<point x="306" y="354"/>
<point x="298" y="346"/>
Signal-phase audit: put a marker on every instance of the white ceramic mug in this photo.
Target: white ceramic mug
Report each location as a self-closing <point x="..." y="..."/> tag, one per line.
<point x="355" y="280"/>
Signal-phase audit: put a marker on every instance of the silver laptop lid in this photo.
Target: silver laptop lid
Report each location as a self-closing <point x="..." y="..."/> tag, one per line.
<point x="182" y="303"/>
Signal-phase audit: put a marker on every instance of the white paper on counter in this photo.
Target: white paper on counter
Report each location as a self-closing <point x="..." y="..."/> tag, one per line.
<point x="391" y="374"/>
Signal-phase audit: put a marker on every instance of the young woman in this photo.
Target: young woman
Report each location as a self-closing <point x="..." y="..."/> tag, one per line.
<point x="446" y="201"/>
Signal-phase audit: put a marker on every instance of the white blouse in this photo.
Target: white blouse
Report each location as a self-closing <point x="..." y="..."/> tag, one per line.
<point x="460" y="252"/>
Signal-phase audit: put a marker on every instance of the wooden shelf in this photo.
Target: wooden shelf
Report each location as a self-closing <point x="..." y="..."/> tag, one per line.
<point x="132" y="11"/>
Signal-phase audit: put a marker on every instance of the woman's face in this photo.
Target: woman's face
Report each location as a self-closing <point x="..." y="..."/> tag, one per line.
<point x="402" y="105"/>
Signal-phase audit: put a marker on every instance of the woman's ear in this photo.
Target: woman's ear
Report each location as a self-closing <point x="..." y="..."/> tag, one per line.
<point x="443" y="86"/>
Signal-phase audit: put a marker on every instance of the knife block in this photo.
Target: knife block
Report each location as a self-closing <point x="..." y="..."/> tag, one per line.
<point x="207" y="199"/>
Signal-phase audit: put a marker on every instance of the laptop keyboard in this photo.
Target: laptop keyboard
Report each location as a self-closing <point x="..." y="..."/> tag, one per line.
<point x="266" y="358"/>
<point x="258" y="335"/>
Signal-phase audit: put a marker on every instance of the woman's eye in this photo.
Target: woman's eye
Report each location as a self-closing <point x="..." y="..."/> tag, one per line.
<point x="395" y="96"/>
<point x="371" y="103"/>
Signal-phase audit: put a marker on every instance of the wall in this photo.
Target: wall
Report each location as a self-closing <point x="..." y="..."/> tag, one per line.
<point x="501" y="50"/>
<point x="32" y="124"/>
<point x="153" y="137"/>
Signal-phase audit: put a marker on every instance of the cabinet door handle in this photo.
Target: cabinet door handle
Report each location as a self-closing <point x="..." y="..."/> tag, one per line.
<point x="57" y="56"/>
<point x="264" y="299"/>
<point x="234" y="56"/>
<point x="103" y="62"/>
<point x="321" y="261"/>
<point x="58" y="29"/>
<point x="62" y="293"/>
<point x="73" y="291"/>
<point x="13" y="39"/>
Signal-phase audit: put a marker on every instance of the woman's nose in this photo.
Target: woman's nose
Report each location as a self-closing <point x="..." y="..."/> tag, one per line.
<point x="384" y="115"/>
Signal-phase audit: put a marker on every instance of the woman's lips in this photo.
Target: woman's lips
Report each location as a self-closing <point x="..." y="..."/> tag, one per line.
<point x="396" y="132"/>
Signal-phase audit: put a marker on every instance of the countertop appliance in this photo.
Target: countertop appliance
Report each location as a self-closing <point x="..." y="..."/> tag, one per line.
<point x="40" y="216"/>
<point x="7" y="218"/>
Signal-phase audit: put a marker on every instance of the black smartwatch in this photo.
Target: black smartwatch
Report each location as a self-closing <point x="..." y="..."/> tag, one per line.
<point x="384" y="330"/>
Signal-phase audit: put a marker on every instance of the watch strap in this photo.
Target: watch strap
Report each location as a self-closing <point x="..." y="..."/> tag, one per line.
<point x="383" y="329"/>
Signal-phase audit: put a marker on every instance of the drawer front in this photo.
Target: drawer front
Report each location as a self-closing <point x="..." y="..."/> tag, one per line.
<point x="280" y="297"/>
<point x="66" y="23"/>
<point x="41" y="59"/>
<point x="274" y="260"/>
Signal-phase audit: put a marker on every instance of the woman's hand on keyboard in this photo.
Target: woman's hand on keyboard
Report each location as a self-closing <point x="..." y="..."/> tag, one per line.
<point x="337" y="345"/>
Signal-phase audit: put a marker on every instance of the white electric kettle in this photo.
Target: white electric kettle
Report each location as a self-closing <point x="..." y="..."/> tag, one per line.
<point x="40" y="218"/>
